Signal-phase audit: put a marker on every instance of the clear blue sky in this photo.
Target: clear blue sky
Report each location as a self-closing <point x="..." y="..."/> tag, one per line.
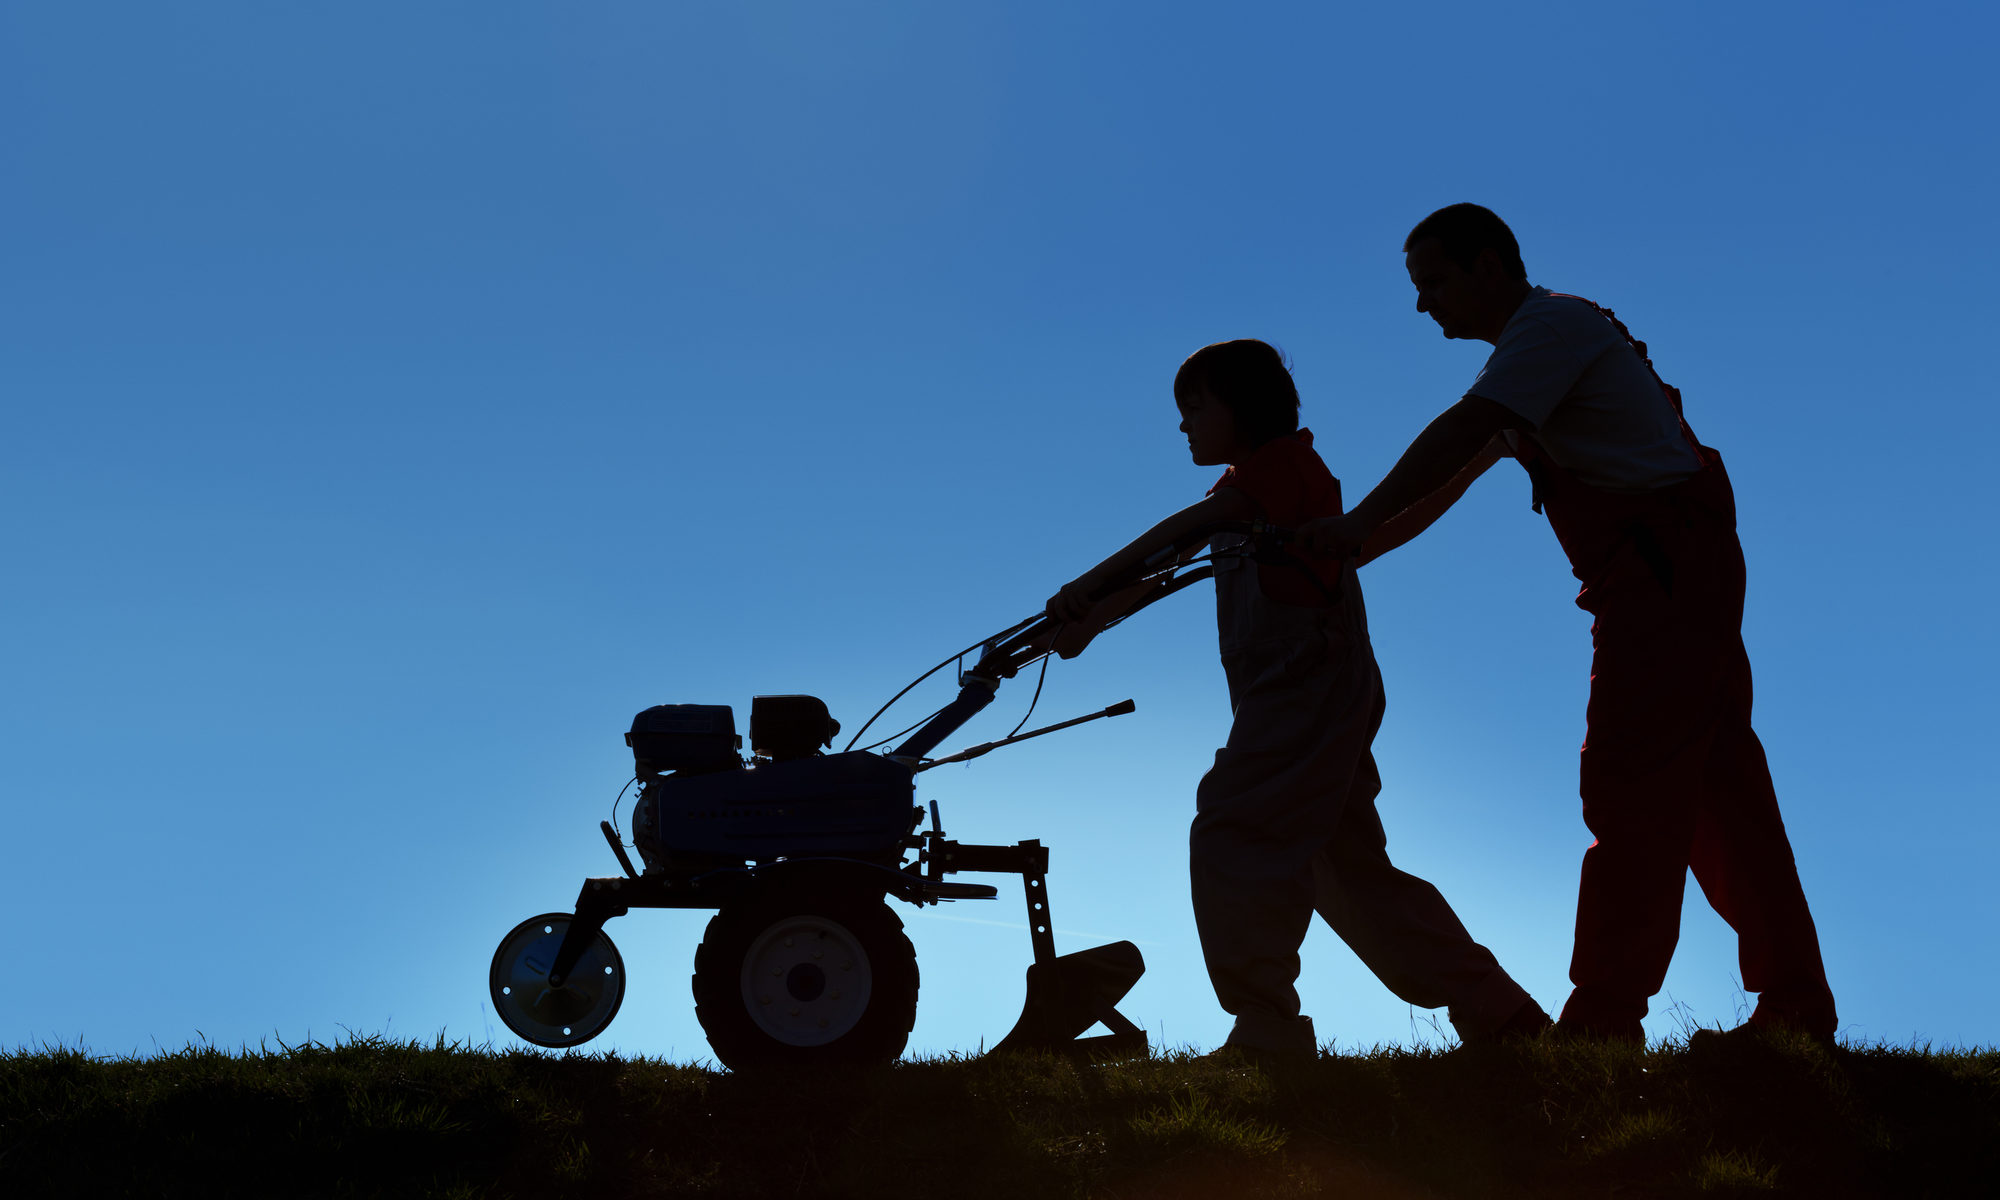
<point x="399" y="397"/>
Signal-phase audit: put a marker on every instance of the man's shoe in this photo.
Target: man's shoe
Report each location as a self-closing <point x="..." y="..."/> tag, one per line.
<point x="1748" y="1036"/>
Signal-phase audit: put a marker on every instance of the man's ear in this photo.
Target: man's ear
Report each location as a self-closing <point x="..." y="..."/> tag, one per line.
<point x="1487" y="267"/>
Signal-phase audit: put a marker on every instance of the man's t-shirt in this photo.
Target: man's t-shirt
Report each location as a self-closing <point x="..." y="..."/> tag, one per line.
<point x="1596" y="409"/>
<point x="1289" y="484"/>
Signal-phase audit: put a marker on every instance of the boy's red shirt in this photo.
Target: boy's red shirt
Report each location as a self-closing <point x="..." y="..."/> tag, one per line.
<point x="1289" y="484"/>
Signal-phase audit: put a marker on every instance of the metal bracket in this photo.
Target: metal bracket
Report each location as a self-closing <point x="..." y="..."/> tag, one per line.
<point x="595" y="905"/>
<point x="1028" y="859"/>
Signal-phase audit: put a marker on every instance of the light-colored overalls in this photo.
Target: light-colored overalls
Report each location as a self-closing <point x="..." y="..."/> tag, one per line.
<point x="1285" y="824"/>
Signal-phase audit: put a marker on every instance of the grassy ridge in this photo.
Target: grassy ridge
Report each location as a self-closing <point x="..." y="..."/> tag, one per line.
<point x="369" y="1117"/>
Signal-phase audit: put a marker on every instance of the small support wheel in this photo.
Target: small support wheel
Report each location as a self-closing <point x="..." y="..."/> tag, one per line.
<point x="798" y="976"/>
<point x="554" y="1017"/>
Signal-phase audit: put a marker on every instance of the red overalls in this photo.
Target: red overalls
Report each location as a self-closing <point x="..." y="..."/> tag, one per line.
<point x="1673" y="777"/>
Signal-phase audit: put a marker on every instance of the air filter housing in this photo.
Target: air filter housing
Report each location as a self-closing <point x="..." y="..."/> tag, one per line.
<point x="685" y="737"/>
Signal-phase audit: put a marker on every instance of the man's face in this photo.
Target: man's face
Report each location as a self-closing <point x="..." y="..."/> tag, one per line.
<point x="1451" y="294"/>
<point x="1210" y="427"/>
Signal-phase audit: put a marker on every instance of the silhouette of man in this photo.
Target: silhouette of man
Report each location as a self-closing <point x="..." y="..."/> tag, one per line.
<point x="1672" y="775"/>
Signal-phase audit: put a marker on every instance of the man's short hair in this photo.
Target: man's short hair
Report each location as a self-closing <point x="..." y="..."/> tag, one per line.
<point x="1467" y="229"/>
<point x="1251" y="379"/>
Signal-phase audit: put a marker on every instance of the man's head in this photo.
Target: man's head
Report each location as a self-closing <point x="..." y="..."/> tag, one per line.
<point x="1250" y="380"/>
<point x="1467" y="270"/>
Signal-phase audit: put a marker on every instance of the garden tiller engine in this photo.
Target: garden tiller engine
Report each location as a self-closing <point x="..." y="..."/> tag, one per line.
<point x="798" y="849"/>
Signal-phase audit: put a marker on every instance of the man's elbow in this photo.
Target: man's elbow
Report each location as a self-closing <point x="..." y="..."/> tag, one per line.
<point x="1476" y="417"/>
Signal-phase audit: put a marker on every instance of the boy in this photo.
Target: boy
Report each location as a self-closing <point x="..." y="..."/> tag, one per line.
<point x="1285" y="821"/>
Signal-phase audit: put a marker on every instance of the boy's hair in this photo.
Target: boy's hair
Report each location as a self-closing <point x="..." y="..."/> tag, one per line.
<point x="1252" y="379"/>
<point x="1465" y="230"/>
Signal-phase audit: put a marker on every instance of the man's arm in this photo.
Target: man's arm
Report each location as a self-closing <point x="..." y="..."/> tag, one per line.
<point x="1448" y="446"/>
<point x="1074" y="602"/>
<point x="1418" y="517"/>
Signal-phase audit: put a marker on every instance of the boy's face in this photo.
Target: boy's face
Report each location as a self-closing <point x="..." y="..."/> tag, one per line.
<point x="1210" y="429"/>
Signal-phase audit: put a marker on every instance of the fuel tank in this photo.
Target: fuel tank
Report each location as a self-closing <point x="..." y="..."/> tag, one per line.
<point x="855" y="804"/>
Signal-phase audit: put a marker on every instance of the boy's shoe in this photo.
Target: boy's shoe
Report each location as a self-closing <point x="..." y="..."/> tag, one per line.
<point x="1271" y="1039"/>
<point x="1529" y="1022"/>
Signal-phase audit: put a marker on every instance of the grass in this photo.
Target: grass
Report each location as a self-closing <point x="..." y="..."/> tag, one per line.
<point x="371" y="1117"/>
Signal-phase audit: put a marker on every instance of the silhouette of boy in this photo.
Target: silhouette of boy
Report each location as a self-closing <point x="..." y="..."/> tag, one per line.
<point x="1285" y="821"/>
<point x="1673" y="776"/>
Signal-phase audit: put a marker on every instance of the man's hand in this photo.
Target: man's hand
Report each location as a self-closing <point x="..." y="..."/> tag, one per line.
<point x="1334" y="537"/>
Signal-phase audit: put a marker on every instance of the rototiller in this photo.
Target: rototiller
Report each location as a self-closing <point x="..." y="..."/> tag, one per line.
<point x="799" y="850"/>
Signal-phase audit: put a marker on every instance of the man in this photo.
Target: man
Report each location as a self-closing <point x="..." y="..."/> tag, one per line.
<point x="1672" y="776"/>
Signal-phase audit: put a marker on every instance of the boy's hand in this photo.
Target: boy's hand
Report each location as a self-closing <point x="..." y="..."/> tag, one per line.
<point x="1333" y="537"/>
<point x="1074" y="602"/>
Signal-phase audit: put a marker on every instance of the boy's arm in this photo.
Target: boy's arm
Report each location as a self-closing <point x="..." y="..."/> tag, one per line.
<point x="1075" y="602"/>
<point x="1419" y="516"/>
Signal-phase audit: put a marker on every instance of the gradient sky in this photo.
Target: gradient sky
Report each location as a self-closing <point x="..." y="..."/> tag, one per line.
<point x="399" y="397"/>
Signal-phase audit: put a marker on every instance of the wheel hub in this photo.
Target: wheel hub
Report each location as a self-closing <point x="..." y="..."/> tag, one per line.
<point x="806" y="981"/>
<point x="554" y="1016"/>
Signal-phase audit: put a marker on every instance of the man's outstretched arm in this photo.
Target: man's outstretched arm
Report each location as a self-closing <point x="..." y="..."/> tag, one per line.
<point x="1418" y="517"/>
<point x="1448" y="447"/>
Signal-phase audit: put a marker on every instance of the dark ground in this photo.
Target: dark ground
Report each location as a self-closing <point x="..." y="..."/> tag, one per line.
<point x="374" y="1118"/>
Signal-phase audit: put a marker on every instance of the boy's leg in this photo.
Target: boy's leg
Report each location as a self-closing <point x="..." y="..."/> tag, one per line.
<point x="1263" y="812"/>
<point x="1402" y="927"/>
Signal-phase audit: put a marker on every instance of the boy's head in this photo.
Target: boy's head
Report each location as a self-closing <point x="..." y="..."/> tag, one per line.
<point x="1250" y="379"/>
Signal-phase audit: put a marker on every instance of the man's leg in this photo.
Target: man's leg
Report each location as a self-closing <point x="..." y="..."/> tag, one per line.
<point x="1651" y="728"/>
<point x="1743" y="861"/>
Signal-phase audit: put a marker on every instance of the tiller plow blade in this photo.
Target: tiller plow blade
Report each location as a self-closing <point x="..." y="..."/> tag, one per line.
<point x="1069" y="994"/>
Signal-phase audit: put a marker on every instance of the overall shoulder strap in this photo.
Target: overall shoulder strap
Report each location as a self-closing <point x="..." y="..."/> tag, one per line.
<point x="1672" y="393"/>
